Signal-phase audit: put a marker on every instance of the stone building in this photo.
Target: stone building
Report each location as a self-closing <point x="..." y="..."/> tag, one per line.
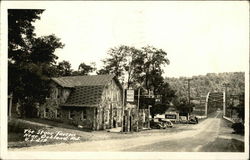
<point x="93" y="101"/>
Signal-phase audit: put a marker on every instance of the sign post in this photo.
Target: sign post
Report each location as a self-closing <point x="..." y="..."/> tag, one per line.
<point x="130" y="95"/>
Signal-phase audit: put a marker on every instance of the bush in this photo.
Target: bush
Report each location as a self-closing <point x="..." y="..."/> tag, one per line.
<point x="238" y="128"/>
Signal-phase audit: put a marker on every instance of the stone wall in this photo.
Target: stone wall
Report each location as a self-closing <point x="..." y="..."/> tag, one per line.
<point x="83" y="116"/>
<point x="110" y="111"/>
<point x="107" y="115"/>
<point x="58" y="95"/>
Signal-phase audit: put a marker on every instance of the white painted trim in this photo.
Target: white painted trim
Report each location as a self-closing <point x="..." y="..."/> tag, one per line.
<point x="82" y="115"/>
<point x="44" y="113"/>
<point x="229" y="119"/>
<point x="56" y="113"/>
<point x="69" y="115"/>
<point x="206" y="104"/>
<point x="224" y="103"/>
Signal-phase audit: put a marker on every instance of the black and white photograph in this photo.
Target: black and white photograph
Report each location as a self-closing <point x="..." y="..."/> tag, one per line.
<point x="124" y="80"/>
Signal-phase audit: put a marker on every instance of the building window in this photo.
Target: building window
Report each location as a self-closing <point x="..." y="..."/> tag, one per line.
<point x="59" y="93"/>
<point x="107" y="116"/>
<point x="57" y="113"/>
<point x="46" y="112"/>
<point x="117" y="96"/>
<point x="84" y="114"/>
<point x="71" y="114"/>
<point x="54" y="93"/>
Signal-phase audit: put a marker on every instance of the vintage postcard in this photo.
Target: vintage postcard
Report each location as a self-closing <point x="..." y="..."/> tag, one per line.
<point x="124" y="80"/>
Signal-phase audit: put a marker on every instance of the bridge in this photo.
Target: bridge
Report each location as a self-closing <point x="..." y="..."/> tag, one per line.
<point x="210" y="103"/>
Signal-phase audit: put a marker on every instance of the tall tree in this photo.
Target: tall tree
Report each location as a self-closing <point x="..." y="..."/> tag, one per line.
<point x="140" y="67"/>
<point x="64" y="68"/>
<point x="120" y="63"/>
<point x="31" y="59"/>
<point x="152" y="70"/>
<point x="85" y="69"/>
<point x="20" y="31"/>
<point x="167" y="96"/>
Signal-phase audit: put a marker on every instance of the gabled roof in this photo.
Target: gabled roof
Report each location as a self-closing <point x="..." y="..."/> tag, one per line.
<point x="89" y="80"/>
<point x="89" y="96"/>
<point x="86" y="90"/>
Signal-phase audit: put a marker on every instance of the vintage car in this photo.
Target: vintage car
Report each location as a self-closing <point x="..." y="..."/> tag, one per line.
<point x="161" y="123"/>
<point x="193" y="120"/>
<point x="168" y="123"/>
<point x="183" y="119"/>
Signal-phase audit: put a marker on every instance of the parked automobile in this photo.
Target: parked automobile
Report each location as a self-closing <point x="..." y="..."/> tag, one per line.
<point x="156" y="125"/>
<point x="193" y="120"/>
<point x="161" y="124"/>
<point x="168" y="123"/>
<point x="183" y="119"/>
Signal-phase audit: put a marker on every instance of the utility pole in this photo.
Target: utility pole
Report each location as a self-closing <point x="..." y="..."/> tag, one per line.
<point x="226" y="96"/>
<point x="189" y="96"/>
<point x="138" y="109"/>
<point x="226" y="85"/>
<point x="189" y="90"/>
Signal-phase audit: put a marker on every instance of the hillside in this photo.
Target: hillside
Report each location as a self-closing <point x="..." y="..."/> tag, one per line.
<point x="200" y="85"/>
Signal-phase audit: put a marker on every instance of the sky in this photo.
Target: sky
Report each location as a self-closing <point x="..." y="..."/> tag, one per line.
<point x="199" y="37"/>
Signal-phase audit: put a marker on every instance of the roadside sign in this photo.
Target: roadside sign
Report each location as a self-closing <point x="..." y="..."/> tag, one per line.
<point x="170" y="116"/>
<point x="130" y="95"/>
<point x="158" y="99"/>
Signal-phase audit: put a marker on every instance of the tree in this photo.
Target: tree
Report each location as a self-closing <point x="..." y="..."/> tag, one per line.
<point x="167" y="96"/>
<point x="20" y="31"/>
<point x="151" y="70"/>
<point x="183" y="106"/>
<point x="211" y="82"/>
<point x="85" y="69"/>
<point x="64" y="68"/>
<point x="31" y="60"/>
<point x="141" y="67"/>
<point x="120" y="63"/>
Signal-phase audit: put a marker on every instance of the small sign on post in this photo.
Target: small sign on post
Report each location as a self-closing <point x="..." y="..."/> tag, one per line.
<point x="130" y="95"/>
<point x="158" y="99"/>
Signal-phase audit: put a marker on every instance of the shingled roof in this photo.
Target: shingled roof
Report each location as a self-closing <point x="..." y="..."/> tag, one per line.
<point x="89" y="96"/>
<point x="86" y="90"/>
<point x="89" y="80"/>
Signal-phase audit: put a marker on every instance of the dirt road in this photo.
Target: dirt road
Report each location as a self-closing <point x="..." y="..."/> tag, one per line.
<point x="201" y="137"/>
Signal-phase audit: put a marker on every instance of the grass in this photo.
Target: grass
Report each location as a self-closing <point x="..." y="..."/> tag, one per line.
<point x="224" y="145"/>
<point x="16" y="132"/>
<point x="57" y="124"/>
<point x="16" y="129"/>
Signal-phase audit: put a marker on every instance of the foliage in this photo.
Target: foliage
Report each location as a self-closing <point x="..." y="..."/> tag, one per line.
<point x="238" y="128"/>
<point x="85" y="69"/>
<point x="31" y="59"/>
<point x="20" y="30"/>
<point x="202" y="84"/>
<point x="141" y="67"/>
<point x="167" y="97"/>
<point x="212" y="82"/>
<point x="64" y="68"/>
<point x="120" y="63"/>
<point x="151" y="70"/>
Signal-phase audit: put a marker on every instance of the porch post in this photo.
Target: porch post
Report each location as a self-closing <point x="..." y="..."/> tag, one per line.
<point x="10" y="104"/>
<point x="94" y="121"/>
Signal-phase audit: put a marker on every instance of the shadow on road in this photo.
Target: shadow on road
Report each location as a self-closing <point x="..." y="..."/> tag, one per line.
<point x="224" y="145"/>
